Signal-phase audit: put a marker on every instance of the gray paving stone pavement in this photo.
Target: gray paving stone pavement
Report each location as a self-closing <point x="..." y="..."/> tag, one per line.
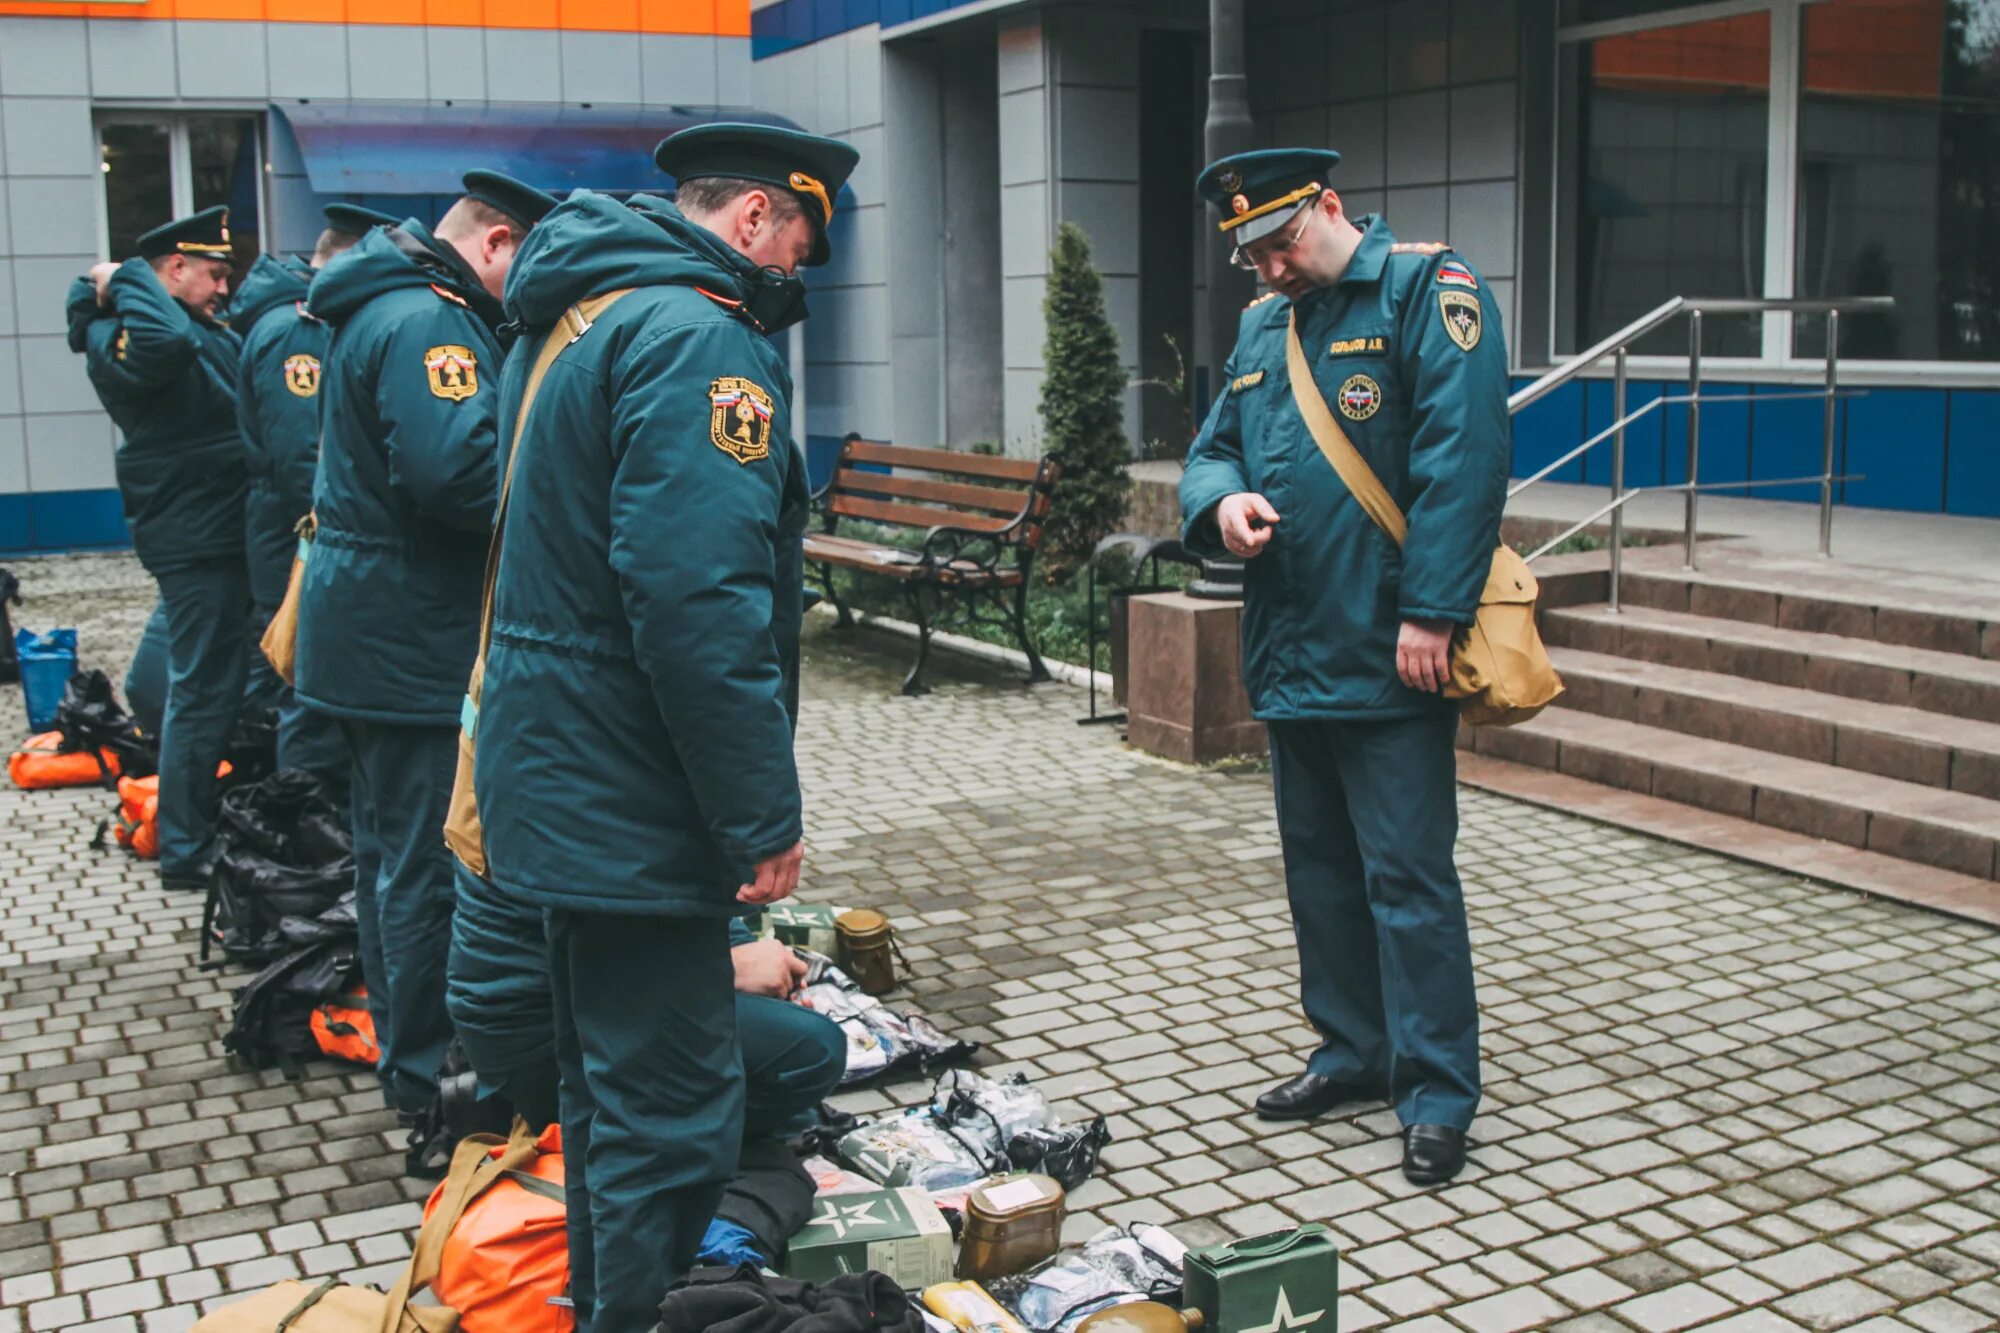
<point x="1717" y="1098"/>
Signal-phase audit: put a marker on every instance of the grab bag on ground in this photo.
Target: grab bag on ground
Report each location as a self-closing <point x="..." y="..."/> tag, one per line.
<point x="345" y="1030"/>
<point x="508" y="1257"/>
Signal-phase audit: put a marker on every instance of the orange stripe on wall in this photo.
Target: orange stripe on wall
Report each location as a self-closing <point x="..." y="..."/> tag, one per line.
<point x="718" y="18"/>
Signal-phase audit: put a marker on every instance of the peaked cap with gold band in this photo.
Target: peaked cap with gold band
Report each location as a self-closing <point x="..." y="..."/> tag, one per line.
<point x="523" y="203"/>
<point x="203" y="235"/>
<point x="809" y="165"/>
<point x="356" y="220"/>
<point x="1258" y="192"/>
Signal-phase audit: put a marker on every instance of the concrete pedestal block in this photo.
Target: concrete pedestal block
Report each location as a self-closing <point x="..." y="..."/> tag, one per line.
<point x="1185" y="691"/>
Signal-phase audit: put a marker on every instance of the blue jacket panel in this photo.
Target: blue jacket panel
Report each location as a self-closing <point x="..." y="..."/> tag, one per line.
<point x="389" y="603"/>
<point x="167" y="376"/>
<point x="277" y="413"/>
<point x="635" y="738"/>
<point x="1407" y="349"/>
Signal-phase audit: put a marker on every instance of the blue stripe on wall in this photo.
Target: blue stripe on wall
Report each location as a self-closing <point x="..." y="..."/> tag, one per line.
<point x="790" y="24"/>
<point x="1972" y="455"/>
<point x="62" y="521"/>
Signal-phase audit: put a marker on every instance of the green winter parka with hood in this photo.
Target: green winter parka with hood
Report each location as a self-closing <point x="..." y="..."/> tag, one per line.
<point x="635" y="730"/>
<point x="277" y="413"/>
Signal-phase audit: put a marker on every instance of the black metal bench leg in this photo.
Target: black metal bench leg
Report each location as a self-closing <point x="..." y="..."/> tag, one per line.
<point x="913" y="684"/>
<point x="1037" y="670"/>
<point x="843" y="617"/>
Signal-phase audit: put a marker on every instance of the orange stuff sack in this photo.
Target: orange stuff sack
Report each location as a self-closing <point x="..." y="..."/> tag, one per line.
<point x="40" y="764"/>
<point x="345" y="1029"/>
<point x="137" y="826"/>
<point x="509" y="1254"/>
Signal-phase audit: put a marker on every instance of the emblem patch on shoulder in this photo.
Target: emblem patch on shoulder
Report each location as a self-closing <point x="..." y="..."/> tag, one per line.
<point x="1360" y="398"/>
<point x="124" y="341"/>
<point x="302" y="374"/>
<point x="1250" y="381"/>
<point x="1462" y="318"/>
<point x="739" y="418"/>
<point x="1451" y="273"/>
<point x="454" y="371"/>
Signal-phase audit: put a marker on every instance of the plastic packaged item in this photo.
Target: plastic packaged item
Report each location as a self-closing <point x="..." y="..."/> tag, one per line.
<point x="1011" y="1224"/>
<point x="1012" y="1122"/>
<point x="47" y="661"/>
<point x="864" y="943"/>
<point x="878" y="1039"/>
<point x="968" y="1308"/>
<point x="912" y="1149"/>
<point x="1116" y="1266"/>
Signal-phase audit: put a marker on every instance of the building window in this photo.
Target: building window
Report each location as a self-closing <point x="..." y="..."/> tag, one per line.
<point x="1809" y="148"/>
<point x="159" y="166"/>
<point x="1899" y="176"/>
<point x="1670" y="155"/>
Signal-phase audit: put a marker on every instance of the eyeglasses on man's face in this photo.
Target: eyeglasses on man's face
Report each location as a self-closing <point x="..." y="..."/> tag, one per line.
<point x="1268" y="248"/>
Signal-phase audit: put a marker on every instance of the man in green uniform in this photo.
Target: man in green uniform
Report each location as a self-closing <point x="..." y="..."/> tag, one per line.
<point x="165" y="369"/>
<point x="635" y="773"/>
<point x="1346" y="637"/>
<point x="277" y="412"/>
<point x="389" y="600"/>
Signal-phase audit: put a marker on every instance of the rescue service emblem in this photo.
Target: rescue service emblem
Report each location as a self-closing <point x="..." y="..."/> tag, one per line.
<point x="1461" y="318"/>
<point x="1360" y="398"/>
<point x="302" y="374"/>
<point x="739" y="419"/>
<point x="453" y="370"/>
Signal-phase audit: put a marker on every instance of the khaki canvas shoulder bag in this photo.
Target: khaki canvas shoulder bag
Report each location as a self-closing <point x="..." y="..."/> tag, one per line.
<point x="462" y="830"/>
<point x="281" y="637"/>
<point x="1500" y="671"/>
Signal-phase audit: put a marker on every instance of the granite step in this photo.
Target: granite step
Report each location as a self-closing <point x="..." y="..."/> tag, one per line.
<point x="1949" y="829"/>
<point x="1886" y="673"/>
<point x="1820" y="606"/>
<point x="1887" y="740"/>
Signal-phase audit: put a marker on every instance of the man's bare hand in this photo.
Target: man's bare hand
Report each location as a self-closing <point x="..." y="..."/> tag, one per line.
<point x="100" y="274"/>
<point x="767" y="967"/>
<point x="1423" y="654"/>
<point x="777" y="877"/>
<point x="1247" y="521"/>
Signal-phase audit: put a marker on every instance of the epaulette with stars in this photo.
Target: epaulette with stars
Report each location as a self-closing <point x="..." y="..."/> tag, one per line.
<point x="451" y="296"/>
<point x="1419" y="248"/>
<point x="1267" y="296"/>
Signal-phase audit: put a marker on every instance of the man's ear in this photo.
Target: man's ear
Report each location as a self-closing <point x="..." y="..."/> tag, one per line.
<point x="498" y="239"/>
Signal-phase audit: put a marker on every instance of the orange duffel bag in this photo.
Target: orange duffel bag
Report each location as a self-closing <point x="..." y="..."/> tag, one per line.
<point x="508" y="1257"/>
<point x="345" y="1029"/>
<point x="41" y="763"/>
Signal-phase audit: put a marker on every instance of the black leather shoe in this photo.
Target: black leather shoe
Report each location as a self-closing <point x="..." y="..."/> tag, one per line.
<point x="1310" y="1095"/>
<point x="1432" y="1154"/>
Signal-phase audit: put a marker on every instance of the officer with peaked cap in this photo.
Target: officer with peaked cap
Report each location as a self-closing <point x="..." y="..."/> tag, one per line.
<point x="1346" y="637"/>
<point x="389" y="598"/>
<point x="164" y="367"/>
<point x="277" y="411"/>
<point x="634" y="772"/>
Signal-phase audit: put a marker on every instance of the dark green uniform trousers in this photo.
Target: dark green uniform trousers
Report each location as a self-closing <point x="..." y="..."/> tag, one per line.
<point x="208" y="620"/>
<point x="401" y="780"/>
<point x="497" y="989"/>
<point x="652" y="1101"/>
<point x="146" y="678"/>
<point x="1368" y="815"/>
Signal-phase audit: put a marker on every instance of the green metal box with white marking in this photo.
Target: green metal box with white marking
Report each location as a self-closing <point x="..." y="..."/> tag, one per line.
<point x="1286" y="1280"/>
<point x="805" y="926"/>
<point x="899" y="1232"/>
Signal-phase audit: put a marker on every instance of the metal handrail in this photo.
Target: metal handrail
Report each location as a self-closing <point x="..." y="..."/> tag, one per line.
<point x="1619" y="345"/>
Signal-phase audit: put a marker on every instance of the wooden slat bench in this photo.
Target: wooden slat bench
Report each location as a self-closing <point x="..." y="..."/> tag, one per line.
<point x="982" y="518"/>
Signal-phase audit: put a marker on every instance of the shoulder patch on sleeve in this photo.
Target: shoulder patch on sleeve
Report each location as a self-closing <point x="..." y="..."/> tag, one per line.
<point x="453" y="371"/>
<point x="1419" y="248"/>
<point x="739" y="418"/>
<point x="1463" y="319"/>
<point x="1451" y="273"/>
<point x="302" y="374"/>
<point x="451" y="296"/>
<point x="124" y="341"/>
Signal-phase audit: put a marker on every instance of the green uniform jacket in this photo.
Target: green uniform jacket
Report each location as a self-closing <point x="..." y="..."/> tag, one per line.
<point x="167" y="376"/>
<point x="389" y="604"/>
<point x="1407" y="349"/>
<point x="634" y="737"/>
<point x="277" y="412"/>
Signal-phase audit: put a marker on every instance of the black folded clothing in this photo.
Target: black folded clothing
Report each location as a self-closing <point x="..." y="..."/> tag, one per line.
<point x="744" y="1300"/>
